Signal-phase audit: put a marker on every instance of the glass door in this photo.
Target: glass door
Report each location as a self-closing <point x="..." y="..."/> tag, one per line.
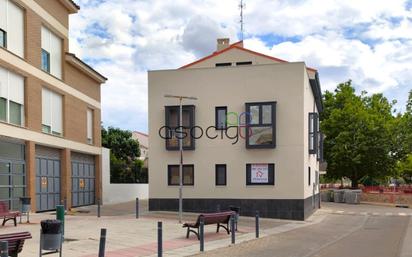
<point x="12" y="183"/>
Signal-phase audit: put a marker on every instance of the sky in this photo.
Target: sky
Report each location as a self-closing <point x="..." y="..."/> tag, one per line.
<point x="367" y="41"/>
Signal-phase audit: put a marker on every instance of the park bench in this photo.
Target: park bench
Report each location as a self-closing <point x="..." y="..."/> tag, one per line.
<point x="15" y="242"/>
<point x="219" y="218"/>
<point x="8" y="215"/>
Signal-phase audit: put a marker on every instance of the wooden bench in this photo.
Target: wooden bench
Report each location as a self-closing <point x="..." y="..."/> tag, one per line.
<point x="219" y="218"/>
<point x="15" y="241"/>
<point x="8" y="215"/>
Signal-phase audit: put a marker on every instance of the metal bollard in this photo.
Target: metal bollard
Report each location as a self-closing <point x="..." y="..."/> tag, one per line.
<point x="257" y="224"/>
<point x="137" y="207"/>
<point x="102" y="245"/>
<point x="4" y="249"/>
<point x="60" y="216"/>
<point x="98" y="208"/>
<point x="201" y="234"/>
<point x="159" y="239"/>
<point x="232" y="228"/>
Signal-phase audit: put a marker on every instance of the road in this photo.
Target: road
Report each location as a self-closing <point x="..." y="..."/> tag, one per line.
<point x="347" y="231"/>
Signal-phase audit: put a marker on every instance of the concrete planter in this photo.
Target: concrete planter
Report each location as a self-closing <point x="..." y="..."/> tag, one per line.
<point x="339" y="196"/>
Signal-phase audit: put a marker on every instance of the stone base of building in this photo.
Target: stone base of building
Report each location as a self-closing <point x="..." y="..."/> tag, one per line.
<point x="293" y="209"/>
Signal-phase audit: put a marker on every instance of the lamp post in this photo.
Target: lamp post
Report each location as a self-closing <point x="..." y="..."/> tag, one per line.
<point x="181" y="149"/>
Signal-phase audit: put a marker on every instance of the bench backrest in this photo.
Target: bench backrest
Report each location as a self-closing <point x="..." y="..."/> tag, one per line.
<point x="4" y="207"/>
<point x="216" y="217"/>
<point x="15" y="240"/>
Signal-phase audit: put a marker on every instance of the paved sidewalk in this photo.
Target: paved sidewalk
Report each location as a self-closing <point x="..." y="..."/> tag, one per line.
<point x="128" y="236"/>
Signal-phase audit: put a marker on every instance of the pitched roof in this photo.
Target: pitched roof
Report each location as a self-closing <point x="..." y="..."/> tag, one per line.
<point x="237" y="45"/>
<point x="74" y="60"/>
<point x="70" y="5"/>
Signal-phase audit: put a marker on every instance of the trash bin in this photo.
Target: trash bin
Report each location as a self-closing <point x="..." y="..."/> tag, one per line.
<point x="325" y="196"/>
<point x="51" y="234"/>
<point x="236" y="209"/>
<point x="25" y="204"/>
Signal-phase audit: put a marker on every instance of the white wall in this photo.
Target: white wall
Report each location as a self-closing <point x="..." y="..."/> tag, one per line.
<point x="118" y="193"/>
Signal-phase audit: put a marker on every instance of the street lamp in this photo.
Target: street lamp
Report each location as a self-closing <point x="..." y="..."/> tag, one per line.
<point x="181" y="150"/>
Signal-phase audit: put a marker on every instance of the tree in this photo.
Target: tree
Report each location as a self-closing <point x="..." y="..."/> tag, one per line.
<point x="125" y="166"/>
<point x="359" y="132"/>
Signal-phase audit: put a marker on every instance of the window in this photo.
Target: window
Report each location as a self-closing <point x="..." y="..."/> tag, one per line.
<point x="45" y="60"/>
<point x="220" y="175"/>
<point x="51" y="54"/>
<point x="243" y="63"/>
<point x="11" y="97"/>
<point x="173" y="132"/>
<point x="188" y="175"/>
<point x="260" y="174"/>
<point x="89" y="126"/>
<point x="221" y="114"/>
<point x="313" y="132"/>
<point x="223" y="64"/>
<point x="12" y="27"/>
<point x="3" y="38"/>
<point x="261" y="125"/>
<point x="309" y="176"/>
<point x="52" y="112"/>
<point x="320" y="147"/>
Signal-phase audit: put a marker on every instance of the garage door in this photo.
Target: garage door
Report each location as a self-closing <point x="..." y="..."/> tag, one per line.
<point x="47" y="178"/>
<point x="83" y="180"/>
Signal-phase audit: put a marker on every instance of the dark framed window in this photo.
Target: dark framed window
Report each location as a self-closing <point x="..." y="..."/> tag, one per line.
<point x="45" y="60"/>
<point x="260" y="174"/>
<point x="309" y="176"/>
<point x="313" y="132"/>
<point x="243" y="63"/>
<point x="320" y="147"/>
<point x="223" y="64"/>
<point x="174" y="132"/>
<point x="221" y="117"/>
<point x="188" y="175"/>
<point x="3" y="38"/>
<point x="220" y="173"/>
<point x="260" y="125"/>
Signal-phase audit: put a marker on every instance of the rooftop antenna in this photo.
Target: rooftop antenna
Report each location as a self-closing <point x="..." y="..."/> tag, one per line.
<point x="241" y="6"/>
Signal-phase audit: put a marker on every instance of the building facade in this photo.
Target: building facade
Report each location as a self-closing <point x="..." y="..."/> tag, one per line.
<point x="50" y="143"/>
<point x="251" y="139"/>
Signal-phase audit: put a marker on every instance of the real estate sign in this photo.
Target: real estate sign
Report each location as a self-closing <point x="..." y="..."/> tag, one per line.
<point x="259" y="173"/>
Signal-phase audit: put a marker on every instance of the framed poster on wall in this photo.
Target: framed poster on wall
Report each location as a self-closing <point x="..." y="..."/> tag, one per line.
<point x="260" y="174"/>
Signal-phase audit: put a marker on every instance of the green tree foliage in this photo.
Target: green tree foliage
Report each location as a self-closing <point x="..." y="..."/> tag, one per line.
<point x="362" y="135"/>
<point x="125" y="166"/>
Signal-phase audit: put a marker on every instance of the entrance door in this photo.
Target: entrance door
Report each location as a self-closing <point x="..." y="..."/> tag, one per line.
<point x="83" y="180"/>
<point x="47" y="184"/>
<point x="12" y="183"/>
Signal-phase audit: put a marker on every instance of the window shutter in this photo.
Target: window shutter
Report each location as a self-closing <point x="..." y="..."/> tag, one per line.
<point x="15" y="29"/>
<point x="57" y="113"/>
<point x="55" y="55"/>
<point x="89" y="124"/>
<point x="16" y="88"/>
<point x="46" y="107"/>
<point x="3" y="15"/>
<point x="45" y="39"/>
<point x="3" y="82"/>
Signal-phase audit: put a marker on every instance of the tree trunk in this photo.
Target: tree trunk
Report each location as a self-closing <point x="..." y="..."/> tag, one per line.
<point x="354" y="182"/>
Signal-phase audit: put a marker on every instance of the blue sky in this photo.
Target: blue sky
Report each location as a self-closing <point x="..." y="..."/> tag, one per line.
<point x="368" y="41"/>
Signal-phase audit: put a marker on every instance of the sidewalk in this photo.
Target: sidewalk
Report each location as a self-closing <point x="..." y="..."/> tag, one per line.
<point x="128" y="236"/>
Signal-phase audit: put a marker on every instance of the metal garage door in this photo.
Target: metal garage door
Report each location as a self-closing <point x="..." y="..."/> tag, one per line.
<point x="47" y="178"/>
<point x="83" y="179"/>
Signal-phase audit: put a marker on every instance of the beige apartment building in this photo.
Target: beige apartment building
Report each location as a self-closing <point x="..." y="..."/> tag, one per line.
<point x="251" y="139"/>
<point x="50" y="144"/>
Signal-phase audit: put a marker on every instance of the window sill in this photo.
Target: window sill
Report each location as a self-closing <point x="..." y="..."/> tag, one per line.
<point x="13" y="125"/>
<point x="50" y="134"/>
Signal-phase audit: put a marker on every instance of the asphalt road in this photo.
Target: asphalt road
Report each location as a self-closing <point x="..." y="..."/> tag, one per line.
<point x="376" y="234"/>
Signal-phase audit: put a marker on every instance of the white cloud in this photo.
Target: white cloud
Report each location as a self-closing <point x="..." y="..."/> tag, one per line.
<point x="367" y="41"/>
